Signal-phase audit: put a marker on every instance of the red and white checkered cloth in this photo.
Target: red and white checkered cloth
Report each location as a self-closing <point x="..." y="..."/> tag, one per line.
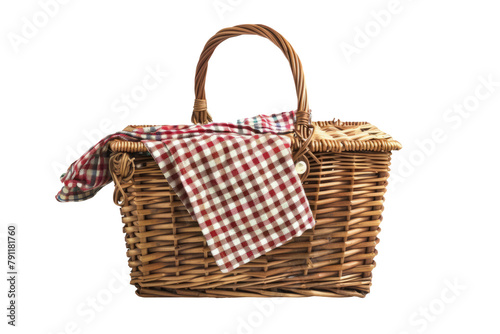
<point x="237" y="181"/>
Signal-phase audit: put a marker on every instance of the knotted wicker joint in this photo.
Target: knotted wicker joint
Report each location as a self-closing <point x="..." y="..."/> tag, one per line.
<point x="122" y="169"/>
<point x="200" y="112"/>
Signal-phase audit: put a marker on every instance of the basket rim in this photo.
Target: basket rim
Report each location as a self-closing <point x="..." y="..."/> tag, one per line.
<point x="323" y="142"/>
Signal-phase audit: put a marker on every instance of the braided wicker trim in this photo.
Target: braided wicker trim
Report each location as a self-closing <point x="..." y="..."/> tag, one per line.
<point x="127" y="146"/>
<point x="325" y="145"/>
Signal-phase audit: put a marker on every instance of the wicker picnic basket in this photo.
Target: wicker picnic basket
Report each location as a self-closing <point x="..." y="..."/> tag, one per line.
<point x="345" y="181"/>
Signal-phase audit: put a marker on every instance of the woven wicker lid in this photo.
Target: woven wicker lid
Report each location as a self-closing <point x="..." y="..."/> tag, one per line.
<point x="338" y="136"/>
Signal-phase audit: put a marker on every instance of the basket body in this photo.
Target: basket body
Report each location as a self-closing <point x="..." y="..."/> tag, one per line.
<point x="169" y="256"/>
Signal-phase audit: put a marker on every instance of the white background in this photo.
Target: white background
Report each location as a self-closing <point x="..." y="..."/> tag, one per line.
<point x="63" y="82"/>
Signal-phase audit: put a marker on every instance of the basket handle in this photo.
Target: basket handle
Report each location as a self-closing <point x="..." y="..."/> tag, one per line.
<point x="200" y="113"/>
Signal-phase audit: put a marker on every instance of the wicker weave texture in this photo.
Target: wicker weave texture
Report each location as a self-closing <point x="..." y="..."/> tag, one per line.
<point x="169" y="256"/>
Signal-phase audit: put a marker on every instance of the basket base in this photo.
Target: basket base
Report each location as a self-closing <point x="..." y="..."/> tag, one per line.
<point x="344" y="290"/>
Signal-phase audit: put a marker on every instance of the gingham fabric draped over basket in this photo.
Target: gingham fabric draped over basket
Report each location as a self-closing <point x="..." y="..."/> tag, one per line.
<point x="345" y="181"/>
